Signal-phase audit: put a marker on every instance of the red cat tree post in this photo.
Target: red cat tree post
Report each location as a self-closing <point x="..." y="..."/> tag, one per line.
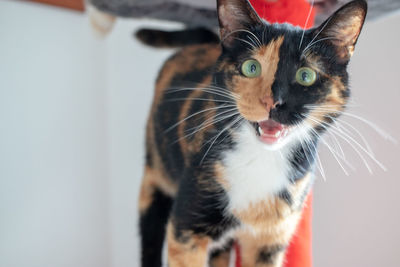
<point x="296" y="13"/>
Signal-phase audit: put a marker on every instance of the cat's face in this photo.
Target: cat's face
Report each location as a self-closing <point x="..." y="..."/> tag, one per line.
<point x="284" y="79"/>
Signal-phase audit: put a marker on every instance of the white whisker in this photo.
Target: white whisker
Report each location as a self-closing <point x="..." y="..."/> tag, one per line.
<point x="253" y="46"/>
<point x="321" y="169"/>
<point x="312" y="40"/>
<point x="338" y="122"/>
<point x="215" y="119"/>
<point x="194" y="114"/>
<point x="336" y="141"/>
<point x="348" y="138"/>
<point x="305" y="24"/>
<point x="254" y="42"/>
<point x="375" y="127"/>
<point x="305" y="150"/>
<point x="334" y="152"/>
<point x="198" y="99"/>
<point x="234" y="128"/>
<point x="206" y="124"/>
<point x="215" y="138"/>
<point x="317" y="41"/>
<point x="244" y="30"/>
<point x="206" y="90"/>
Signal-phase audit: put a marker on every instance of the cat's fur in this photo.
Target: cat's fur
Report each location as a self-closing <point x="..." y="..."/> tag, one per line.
<point x="208" y="178"/>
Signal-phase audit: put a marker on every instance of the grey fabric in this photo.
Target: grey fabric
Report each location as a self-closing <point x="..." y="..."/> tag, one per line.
<point x="160" y="9"/>
<point x="203" y="13"/>
<point x="376" y="8"/>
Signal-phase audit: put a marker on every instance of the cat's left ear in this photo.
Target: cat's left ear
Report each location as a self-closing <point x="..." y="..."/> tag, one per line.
<point x="235" y="15"/>
<point x="343" y="28"/>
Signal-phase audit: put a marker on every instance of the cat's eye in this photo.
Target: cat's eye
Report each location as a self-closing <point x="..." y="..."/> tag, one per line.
<point x="306" y="76"/>
<point x="251" y="68"/>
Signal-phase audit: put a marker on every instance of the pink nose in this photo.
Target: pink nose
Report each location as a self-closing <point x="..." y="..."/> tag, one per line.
<point x="268" y="103"/>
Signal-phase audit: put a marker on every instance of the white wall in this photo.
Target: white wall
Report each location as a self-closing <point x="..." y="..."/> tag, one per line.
<point x="357" y="218"/>
<point x="72" y="116"/>
<point x="131" y="72"/>
<point x="53" y="152"/>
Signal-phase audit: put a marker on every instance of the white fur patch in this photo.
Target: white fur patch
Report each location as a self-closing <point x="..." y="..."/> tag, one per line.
<point x="254" y="171"/>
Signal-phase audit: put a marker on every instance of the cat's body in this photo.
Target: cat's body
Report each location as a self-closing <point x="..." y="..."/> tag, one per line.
<point x="229" y="156"/>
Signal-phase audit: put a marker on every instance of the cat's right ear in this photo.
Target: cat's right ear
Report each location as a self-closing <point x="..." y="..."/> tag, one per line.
<point x="235" y="15"/>
<point x="343" y="28"/>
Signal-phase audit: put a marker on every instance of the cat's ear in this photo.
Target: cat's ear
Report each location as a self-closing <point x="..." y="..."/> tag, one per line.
<point x="234" y="15"/>
<point x="343" y="28"/>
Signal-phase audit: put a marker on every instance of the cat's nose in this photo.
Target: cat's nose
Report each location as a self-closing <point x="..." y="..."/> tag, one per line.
<point x="269" y="103"/>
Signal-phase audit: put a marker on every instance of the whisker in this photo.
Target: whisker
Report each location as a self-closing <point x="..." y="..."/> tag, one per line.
<point x="253" y="46"/>
<point x="364" y="140"/>
<point x="375" y="127"/>
<point x="321" y="169"/>
<point x="263" y="34"/>
<point x="305" y="150"/>
<point x="348" y="138"/>
<point x="243" y="30"/>
<point x="254" y="42"/>
<point x="234" y="128"/>
<point x="214" y="119"/>
<point x="312" y="40"/>
<point x="317" y="41"/>
<point x="316" y="106"/>
<point x="212" y="86"/>
<point x="334" y="152"/>
<point x="305" y="24"/>
<point x="194" y="114"/>
<point x="336" y="141"/>
<point x="207" y="90"/>
<point x="198" y="99"/>
<point x="199" y="86"/>
<point x="211" y="122"/>
<point x="215" y="138"/>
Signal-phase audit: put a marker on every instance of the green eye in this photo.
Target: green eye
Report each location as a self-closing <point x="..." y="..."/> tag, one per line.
<point x="306" y="76"/>
<point x="251" y="68"/>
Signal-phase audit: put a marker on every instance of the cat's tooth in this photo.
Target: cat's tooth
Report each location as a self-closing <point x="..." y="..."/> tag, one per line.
<point x="277" y="134"/>
<point x="260" y="130"/>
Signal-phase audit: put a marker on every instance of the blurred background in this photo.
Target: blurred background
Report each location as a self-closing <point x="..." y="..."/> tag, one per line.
<point x="73" y="108"/>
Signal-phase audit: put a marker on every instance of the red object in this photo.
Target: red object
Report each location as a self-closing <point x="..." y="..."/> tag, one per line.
<point x="299" y="253"/>
<point x="295" y="12"/>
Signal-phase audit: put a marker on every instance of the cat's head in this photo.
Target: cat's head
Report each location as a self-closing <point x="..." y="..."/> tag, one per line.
<point x="284" y="79"/>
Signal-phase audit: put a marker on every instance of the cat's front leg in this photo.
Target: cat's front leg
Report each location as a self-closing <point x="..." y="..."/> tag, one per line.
<point x="260" y="250"/>
<point x="186" y="248"/>
<point x="268" y="226"/>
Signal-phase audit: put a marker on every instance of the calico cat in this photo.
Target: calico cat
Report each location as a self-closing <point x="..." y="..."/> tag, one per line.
<point x="233" y="132"/>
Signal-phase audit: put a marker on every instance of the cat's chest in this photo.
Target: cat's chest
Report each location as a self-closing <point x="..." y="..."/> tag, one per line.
<point x="253" y="173"/>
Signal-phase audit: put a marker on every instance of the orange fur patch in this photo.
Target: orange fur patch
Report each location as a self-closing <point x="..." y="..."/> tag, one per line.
<point x="251" y="244"/>
<point x="198" y="137"/>
<point x="193" y="252"/>
<point x="153" y="179"/>
<point x="274" y="222"/>
<point x="222" y="260"/>
<point x="252" y="91"/>
<point x="274" y="216"/>
<point x="333" y="103"/>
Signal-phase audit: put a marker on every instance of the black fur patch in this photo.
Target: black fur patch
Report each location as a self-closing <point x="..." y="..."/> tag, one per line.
<point x="267" y="254"/>
<point x="167" y="115"/>
<point x="152" y="229"/>
<point x="200" y="207"/>
<point x="286" y="196"/>
<point x="185" y="37"/>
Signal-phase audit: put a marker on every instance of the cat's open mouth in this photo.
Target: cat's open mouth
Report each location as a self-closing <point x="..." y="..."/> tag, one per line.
<point x="271" y="132"/>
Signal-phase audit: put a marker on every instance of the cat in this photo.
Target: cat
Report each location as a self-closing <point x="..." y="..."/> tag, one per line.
<point x="233" y="131"/>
